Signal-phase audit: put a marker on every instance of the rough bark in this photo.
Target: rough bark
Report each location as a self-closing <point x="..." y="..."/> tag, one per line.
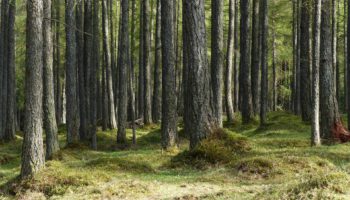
<point x="255" y="56"/>
<point x="264" y="60"/>
<point x="198" y="87"/>
<point x="230" y="63"/>
<point x="52" y="145"/>
<point x="81" y="69"/>
<point x="33" y="148"/>
<point x="244" y="86"/>
<point x="217" y="45"/>
<point x="71" y="75"/>
<point x="107" y="54"/>
<point x="10" y="126"/>
<point x="157" y="77"/>
<point x="305" y="98"/>
<point x="236" y="57"/>
<point x="169" y="107"/>
<point x="315" y="126"/>
<point x="147" y="114"/>
<point x="141" y="83"/>
<point x="123" y="68"/>
<point x="328" y="102"/>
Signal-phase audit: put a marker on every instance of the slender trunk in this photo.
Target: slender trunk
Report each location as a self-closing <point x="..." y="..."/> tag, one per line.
<point x="274" y="73"/>
<point x="169" y="108"/>
<point x="71" y="75"/>
<point x="305" y="99"/>
<point x="147" y="115"/>
<point x="217" y="45"/>
<point x="141" y="84"/>
<point x="264" y="60"/>
<point x="236" y="59"/>
<point x="123" y="68"/>
<point x="33" y="147"/>
<point x="315" y="128"/>
<point x="255" y="56"/>
<point x="52" y="145"/>
<point x="157" y="91"/>
<point x="198" y="87"/>
<point x="245" y="87"/>
<point x="230" y="64"/>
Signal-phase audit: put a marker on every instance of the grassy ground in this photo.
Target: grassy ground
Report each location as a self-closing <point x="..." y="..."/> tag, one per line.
<point x="280" y="164"/>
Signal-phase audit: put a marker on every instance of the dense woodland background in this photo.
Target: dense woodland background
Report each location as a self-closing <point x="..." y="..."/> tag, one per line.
<point x="216" y="93"/>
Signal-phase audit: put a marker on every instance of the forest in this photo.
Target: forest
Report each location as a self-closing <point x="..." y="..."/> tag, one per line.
<point x="174" y="99"/>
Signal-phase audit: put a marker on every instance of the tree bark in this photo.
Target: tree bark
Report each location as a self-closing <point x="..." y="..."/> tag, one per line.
<point x="328" y="102"/>
<point x="52" y="145"/>
<point x="123" y="68"/>
<point x="230" y="63"/>
<point x="157" y="91"/>
<point x="236" y="57"/>
<point x="255" y="59"/>
<point x="33" y="148"/>
<point x="169" y="107"/>
<point x="71" y="75"/>
<point x="305" y="99"/>
<point x="315" y="126"/>
<point x="245" y="87"/>
<point x="217" y="45"/>
<point x="107" y="53"/>
<point x="147" y="115"/>
<point x="264" y="60"/>
<point x="198" y="87"/>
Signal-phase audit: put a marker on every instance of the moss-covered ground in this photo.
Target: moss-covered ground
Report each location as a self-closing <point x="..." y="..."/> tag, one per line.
<point x="248" y="162"/>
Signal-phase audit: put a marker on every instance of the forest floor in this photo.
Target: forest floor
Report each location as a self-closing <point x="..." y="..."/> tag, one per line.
<point x="280" y="164"/>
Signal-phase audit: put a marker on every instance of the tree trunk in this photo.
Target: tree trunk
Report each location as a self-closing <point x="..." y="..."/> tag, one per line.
<point x="244" y="82"/>
<point x="230" y="63"/>
<point x="131" y="85"/>
<point x="305" y="99"/>
<point x="315" y="127"/>
<point x="94" y="75"/>
<point x="236" y="57"/>
<point x="328" y="102"/>
<point x="217" y="45"/>
<point x="169" y="108"/>
<point x="81" y="69"/>
<point x="123" y="68"/>
<point x="157" y="91"/>
<point x="107" y="53"/>
<point x="264" y="60"/>
<point x="33" y="148"/>
<point x="58" y="86"/>
<point x="10" y="126"/>
<point x="147" y="115"/>
<point x="255" y="59"/>
<point x="141" y="84"/>
<point x="71" y="75"/>
<point x="52" y="145"/>
<point x="274" y="73"/>
<point x="198" y="87"/>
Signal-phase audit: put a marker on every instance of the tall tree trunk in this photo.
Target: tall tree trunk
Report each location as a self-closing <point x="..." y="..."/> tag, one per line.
<point x="315" y="127"/>
<point x="71" y="75"/>
<point x="58" y="86"/>
<point x="33" y="147"/>
<point x="236" y="61"/>
<point x="131" y="85"/>
<point x="334" y="42"/>
<point x="4" y="67"/>
<point x="123" y="68"/>
<point x="305" y="98"/>
<point x="169" y="108"/>
<point x="157" y="91"/>
<point x="217" y="45"/>
<point x="107" y="53"/>
<point x="198" y="87"/>
<point x="10" y="126"/>
<point x="52" y="145"/>
<point x="255" y="59"/>
<point x="81" y="69"/>
<point x="328" y="102"/>
<point x="141" y="84"/>
<point x="147" y="115"/>
<point x="230" y="63"/>
<point x="264" y="60"/>
<point x="346" y="95"/>
<point x="274" y="73"/>
<point x="94" y="76"/>
<point x="244" y="82"/>
<point x="297" y="59"/>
